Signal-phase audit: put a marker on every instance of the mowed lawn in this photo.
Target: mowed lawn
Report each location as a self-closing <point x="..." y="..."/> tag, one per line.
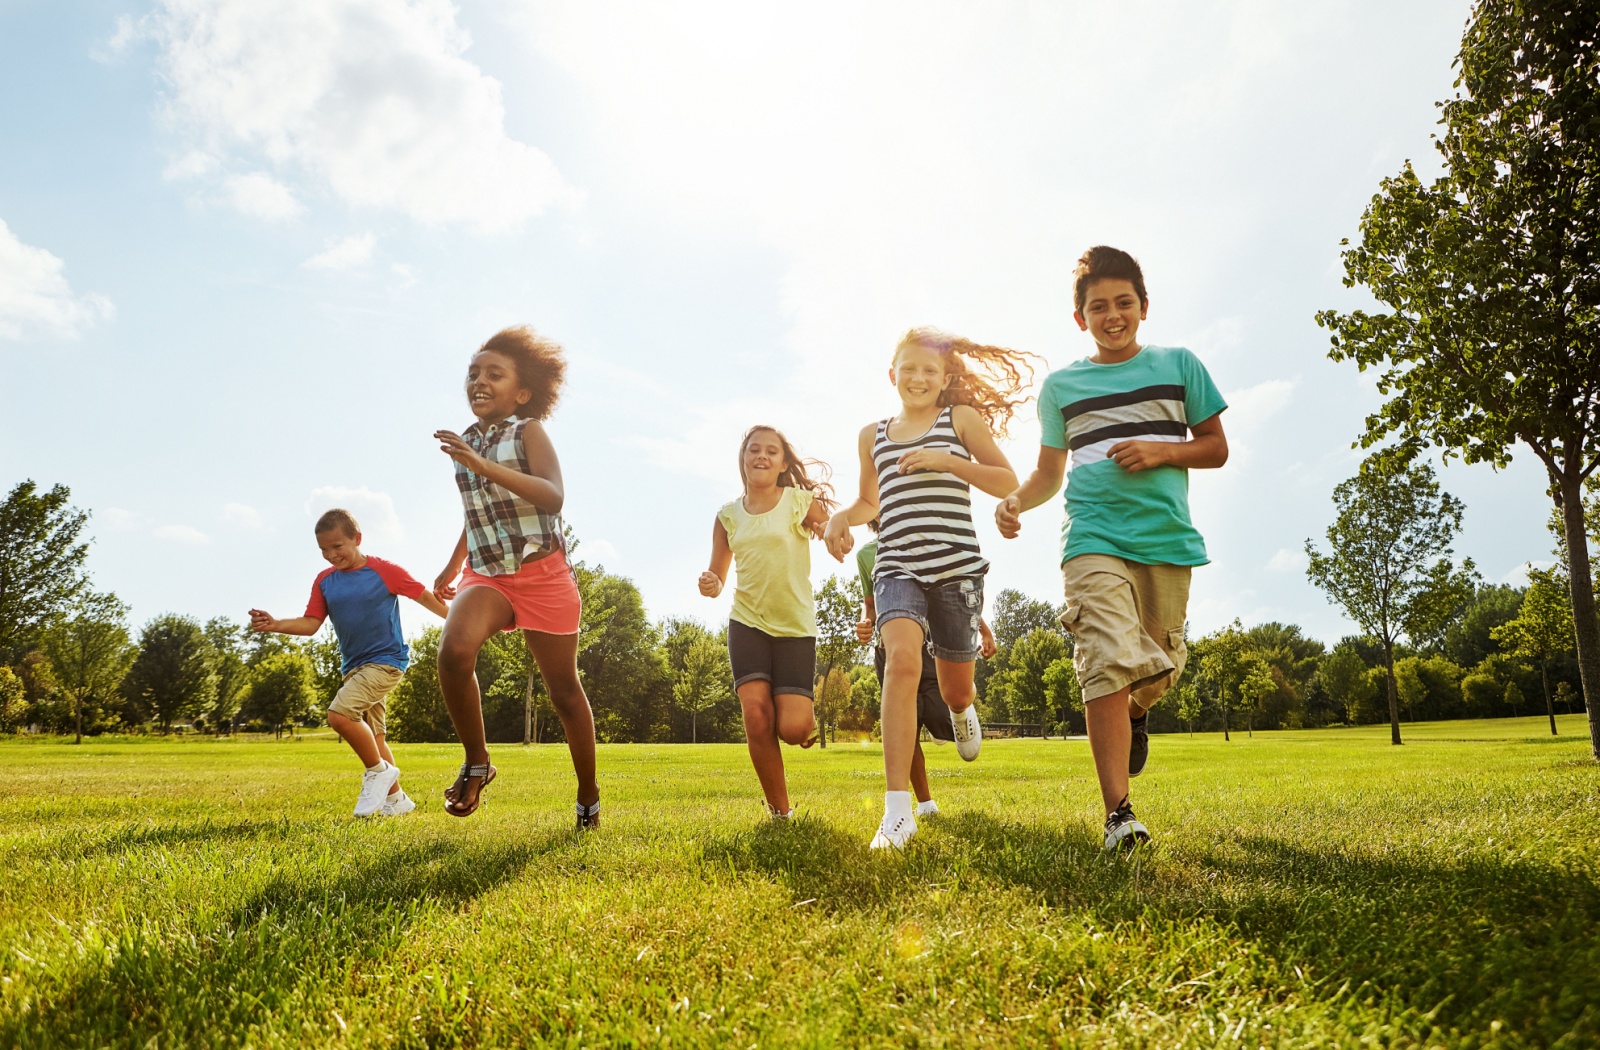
<point x="1307" y="889"/>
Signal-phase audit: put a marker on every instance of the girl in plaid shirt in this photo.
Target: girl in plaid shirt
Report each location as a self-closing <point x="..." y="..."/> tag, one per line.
<point x="511" y="558"/>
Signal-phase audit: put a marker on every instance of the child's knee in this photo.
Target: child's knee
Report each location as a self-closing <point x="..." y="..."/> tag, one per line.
<point x="795" y="729"/>
<point x="457" y="654"/>
<point x="903" y="661"/>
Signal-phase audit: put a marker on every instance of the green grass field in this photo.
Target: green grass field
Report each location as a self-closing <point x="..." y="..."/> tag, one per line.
<point x="1307" y="889"/>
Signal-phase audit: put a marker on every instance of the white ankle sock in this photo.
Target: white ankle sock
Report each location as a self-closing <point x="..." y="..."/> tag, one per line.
<point x="897" y="803"/>
<point x="377" y="768"/>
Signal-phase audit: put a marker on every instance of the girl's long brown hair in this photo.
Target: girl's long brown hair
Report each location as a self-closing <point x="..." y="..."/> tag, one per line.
<point x="798" y="473"/>
<point x="988" y="378"/>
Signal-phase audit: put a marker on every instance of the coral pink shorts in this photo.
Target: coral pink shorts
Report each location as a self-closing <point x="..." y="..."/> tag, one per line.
<point x="543" y="594"/>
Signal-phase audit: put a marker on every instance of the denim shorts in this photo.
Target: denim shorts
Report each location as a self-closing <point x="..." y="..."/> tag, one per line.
<point x="789" y="664"/>
<point x="948" y="611"/>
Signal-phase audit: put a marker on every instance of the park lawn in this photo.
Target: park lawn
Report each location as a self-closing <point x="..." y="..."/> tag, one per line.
<point x="1307" y="889"/>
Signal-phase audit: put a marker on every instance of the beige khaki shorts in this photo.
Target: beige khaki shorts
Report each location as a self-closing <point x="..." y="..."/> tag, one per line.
<point x="361" y="695"/>
<point x="1126" y="620"/>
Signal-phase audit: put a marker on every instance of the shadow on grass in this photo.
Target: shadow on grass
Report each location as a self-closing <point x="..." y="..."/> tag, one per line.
<point x="302" y="936"/>
<point x="203" y="832"/>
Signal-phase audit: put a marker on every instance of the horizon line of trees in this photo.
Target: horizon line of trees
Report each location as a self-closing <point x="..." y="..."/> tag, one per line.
<point x="71" y="663"/>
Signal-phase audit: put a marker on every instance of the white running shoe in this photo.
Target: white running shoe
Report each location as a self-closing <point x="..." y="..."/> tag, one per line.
<point x="397" y="804"/>
<point x="928" y="808"/>
<point x="894" y="832"/>
<point x="375" y="785"/>
<point x="969" y="734"/>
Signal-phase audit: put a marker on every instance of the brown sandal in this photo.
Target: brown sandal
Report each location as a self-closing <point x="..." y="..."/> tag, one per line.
<point x="453" y="794"/>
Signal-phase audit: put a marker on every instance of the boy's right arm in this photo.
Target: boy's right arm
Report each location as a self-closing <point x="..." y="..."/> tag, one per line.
<point x="1043" y="483"/>
<point x="865" y="507"/>
<point x="444" y="586"/>
<point x="869" y="616"/>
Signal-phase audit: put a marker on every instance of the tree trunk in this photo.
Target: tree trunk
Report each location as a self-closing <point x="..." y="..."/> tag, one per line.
<point x="1584" y="626"/>
<point x="821" y="713"/>
<point x="78" y="711"/>
<point x="694" y="726"/>
<point x="1394" y="693"/>
<point x="1225" y="735"/>
<point x="1550" y="708"/>
<point x="527" y="712"/>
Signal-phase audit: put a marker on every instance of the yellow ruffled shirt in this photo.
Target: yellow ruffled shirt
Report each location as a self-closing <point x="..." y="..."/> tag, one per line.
<point x="772" y="561"/>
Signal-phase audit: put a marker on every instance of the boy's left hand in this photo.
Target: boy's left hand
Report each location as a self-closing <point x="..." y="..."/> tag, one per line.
<point x="456" y="447"/>
<point x="1140" y="455"/>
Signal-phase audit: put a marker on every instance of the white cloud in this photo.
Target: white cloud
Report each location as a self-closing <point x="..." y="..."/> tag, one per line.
<point x="182" y="534"/>
<point x="243" y="515"/>
<point x="1288" y="559"/>
<point x="1250" y="408"/>
<point x="261" y="196"/>
<point x="119" y="520"/>
<point x="344" y="253"/>
<point x="1518" y="576"/>
<point x="35" y="299"/>
<point x="374" y="511"/>
<point x="371" y="100"/>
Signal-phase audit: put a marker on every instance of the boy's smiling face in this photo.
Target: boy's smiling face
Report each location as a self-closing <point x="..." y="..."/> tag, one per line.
<point x="1111" y="314"/>
<point x="340" y="549"/>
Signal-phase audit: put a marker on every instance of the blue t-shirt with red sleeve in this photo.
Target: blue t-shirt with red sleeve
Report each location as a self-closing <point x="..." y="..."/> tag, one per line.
<point x="365" y="611"/>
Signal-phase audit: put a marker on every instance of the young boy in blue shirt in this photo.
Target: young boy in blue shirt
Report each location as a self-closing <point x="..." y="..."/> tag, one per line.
<point x="360" y="593"/>
<point x="1132" y="420"/>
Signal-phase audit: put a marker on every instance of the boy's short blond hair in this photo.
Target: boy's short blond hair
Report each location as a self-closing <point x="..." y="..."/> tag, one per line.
<point x="338" y="518"/>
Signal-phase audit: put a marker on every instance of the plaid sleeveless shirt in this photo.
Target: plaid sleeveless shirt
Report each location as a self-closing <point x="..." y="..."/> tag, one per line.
<point x="503" y="529"/>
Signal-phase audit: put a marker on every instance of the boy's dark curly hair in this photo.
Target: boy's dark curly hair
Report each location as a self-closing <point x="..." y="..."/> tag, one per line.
<point x="541" y="366"/>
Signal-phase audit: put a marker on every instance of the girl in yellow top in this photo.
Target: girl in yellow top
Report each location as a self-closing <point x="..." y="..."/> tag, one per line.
<point x="772" y="630"/>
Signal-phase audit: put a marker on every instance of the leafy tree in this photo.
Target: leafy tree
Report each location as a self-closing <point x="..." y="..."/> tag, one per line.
<point x="230" y="655"/>
<point x="41" y="563"/>
<point x="13" y="701"/>
<point x="1062" y="691"/>
<point x="1470" y="636"/>
<point x="1513" y="699"/>
<point x="1256" y="683"/>
<point x="172" y="676"/>
<point x="1389" y="566"/>
<point x="1542" y="628"/>
<point x="1344" y="675"/>
<point x="1491" y="274"/>
<point x="623" y="670"/>
<point x="1023" y="687"/>
<point x="838" y="607"/>
<point x="415" y="710"/>
<point x="1565" y="694"/>
<point x="1012" y="616"/>
<point x="705" y="681"/>
<point x="327" y="664"/>
<point x="866" y="700"/>
<point x="90" y="651"/>
<point x="281" y="690"/>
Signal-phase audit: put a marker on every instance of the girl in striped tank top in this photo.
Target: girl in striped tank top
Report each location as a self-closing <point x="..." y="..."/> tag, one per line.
<point x="917" y="470"/>
<point x="772" y="630"/>
<point x="511" y="558"/>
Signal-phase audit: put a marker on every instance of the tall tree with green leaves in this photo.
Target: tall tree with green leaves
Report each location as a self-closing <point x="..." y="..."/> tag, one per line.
<point x="230" y="654"/>
<point x="1222" y="667"/>
<point x="281" y="690"/>
<point x="704" y="682"/>
<point x="90" y="651"/>
<point x="1389" y="562"/>
<point x="1024" y="689"/>
<point x="838" y="606"/>
<point x="1542" y="629"/>
<point x="172" y="676"/>
<point x="41" y="563"/>
<point x="1491" y="274"/>
<point x="1344" y="676"/>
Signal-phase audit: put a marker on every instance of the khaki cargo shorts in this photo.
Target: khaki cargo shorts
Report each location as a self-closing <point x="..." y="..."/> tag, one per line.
<point x="1126" y="620"/>
<point x="361" y="695"/>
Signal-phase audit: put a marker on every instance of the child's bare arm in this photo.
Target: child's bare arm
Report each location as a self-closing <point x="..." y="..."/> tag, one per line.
<point x="1044" y="482"/>
<point x="444" y="584"/>
<point x="542" y="488"/>
<point x="865" y="506"/>
<point x="716" y="575"/>
<point x="1207" y="448"/>
<point x="429" y="601"/>
<point x="816" y="520"/>
<point x="869" y="616"/>
<point x="988" y="470"/>
<point x="304" y="626"/>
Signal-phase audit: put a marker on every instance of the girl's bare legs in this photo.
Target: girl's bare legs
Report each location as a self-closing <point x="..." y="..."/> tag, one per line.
<point x="902" y="671"/>
<point x="919" y="775"/>
<point x="956" y="683"/>
<point x="1110" y="737"/>
<point x="761" y="724"/>
<point x="475" y="615"/>
<point x="557" y="657"/>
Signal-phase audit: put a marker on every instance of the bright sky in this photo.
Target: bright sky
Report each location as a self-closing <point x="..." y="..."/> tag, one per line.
<point x="247" y="248"/>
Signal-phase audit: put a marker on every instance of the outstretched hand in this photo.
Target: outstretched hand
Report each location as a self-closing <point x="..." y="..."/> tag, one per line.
<point x="262" y="621"/>
<point x="455" y="446"/>
<point x="837" y="537"/>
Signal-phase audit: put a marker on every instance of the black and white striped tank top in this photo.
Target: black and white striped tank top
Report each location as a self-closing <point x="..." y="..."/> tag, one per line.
<point x="925" y="517"/>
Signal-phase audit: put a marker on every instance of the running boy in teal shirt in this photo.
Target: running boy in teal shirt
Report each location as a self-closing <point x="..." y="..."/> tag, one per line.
<point x="1132" y="420"/>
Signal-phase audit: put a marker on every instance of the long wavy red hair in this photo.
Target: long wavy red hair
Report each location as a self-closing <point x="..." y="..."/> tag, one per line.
<point x="991" y="379"/>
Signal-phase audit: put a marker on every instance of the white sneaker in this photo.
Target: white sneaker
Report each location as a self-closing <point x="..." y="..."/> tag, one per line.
<point x="397" y="804"/>
<point x="375" y="785"/>
<point x="969" y="734"/>
<point x="928" y="808"/>
<point x="894" y="832"/>
<point x="778" y="814"/>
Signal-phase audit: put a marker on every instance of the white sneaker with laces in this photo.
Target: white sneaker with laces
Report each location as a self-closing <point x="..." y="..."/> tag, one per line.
<point x="969" y="734"/>
<point x="928" y="808"/>
<point x="894" y="832"/>
<point x="397" y="804"/>
<point x="375" y="785"/>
